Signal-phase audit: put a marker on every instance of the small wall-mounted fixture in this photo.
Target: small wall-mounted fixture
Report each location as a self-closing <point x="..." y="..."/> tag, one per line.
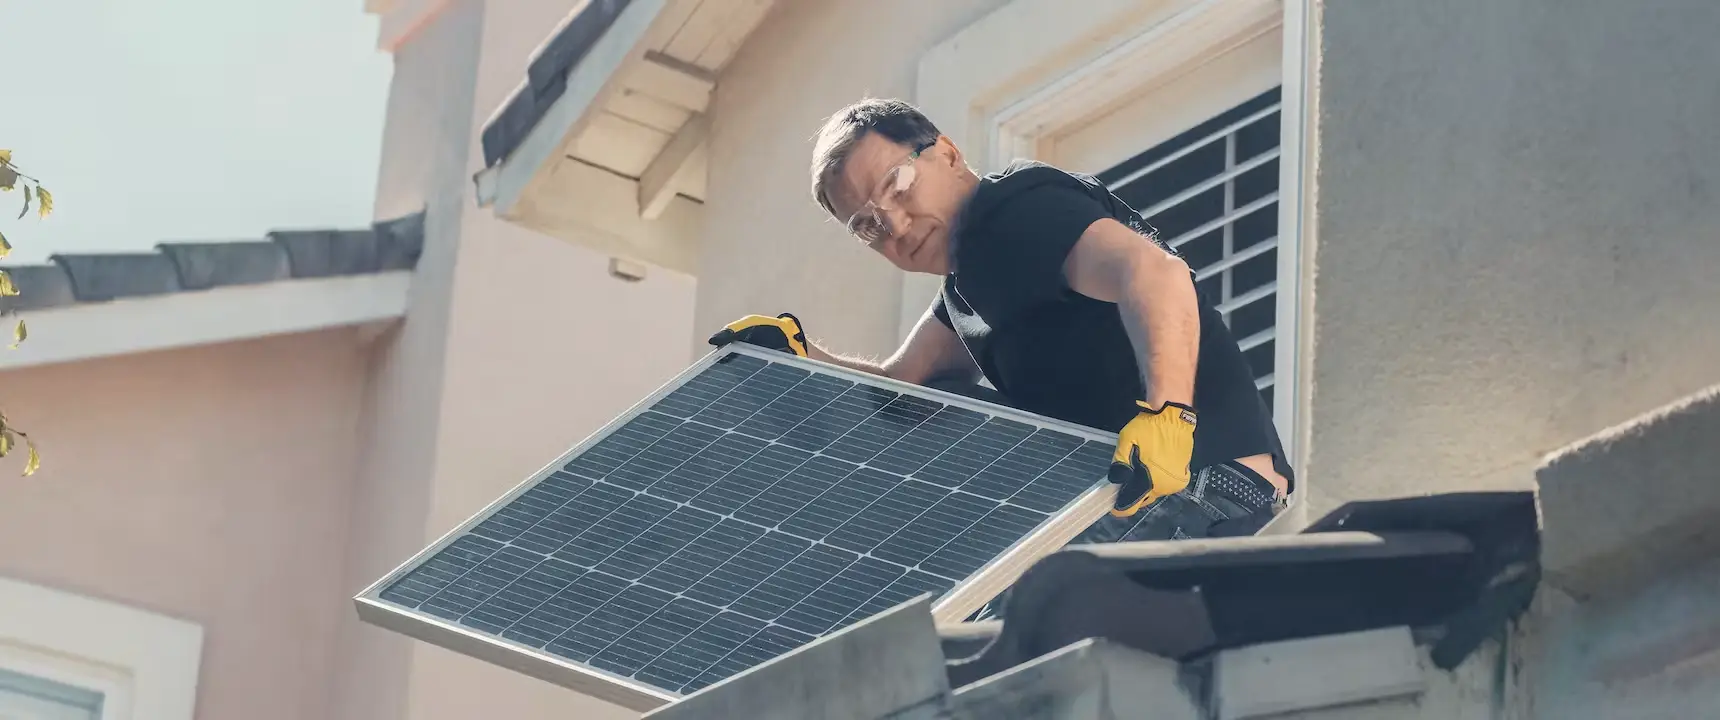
<point x="626" y="270"/>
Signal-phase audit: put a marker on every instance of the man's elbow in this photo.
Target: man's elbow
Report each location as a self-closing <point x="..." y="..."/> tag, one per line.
<point x="1147" y="265"/>
<point x="908" y="371"/>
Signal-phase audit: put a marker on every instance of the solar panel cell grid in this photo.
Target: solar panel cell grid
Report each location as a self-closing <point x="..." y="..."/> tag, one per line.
<point x="753" y="508"/>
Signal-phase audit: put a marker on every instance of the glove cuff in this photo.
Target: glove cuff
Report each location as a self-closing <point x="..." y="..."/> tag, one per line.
<point x="1184" y="412"/>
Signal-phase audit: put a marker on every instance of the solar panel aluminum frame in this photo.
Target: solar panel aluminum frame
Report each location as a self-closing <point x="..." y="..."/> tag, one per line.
<point x="954" y="605"/>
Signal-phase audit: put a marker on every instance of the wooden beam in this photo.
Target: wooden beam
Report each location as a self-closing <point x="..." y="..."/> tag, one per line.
<point x="657" y="184"/>
<point x="674" y="81"/>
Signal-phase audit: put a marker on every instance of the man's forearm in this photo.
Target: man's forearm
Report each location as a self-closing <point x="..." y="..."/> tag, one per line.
<point x="862" y="364"/>
<point x="1162" y="317"/>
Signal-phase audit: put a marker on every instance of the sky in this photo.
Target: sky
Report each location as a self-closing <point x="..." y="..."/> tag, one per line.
<point x="153" y="120"/>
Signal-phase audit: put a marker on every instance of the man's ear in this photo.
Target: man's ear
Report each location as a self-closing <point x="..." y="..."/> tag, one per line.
<point x="955" y="152"/>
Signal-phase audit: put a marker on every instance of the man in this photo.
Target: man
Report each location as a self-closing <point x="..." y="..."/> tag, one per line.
<point x="1055" y="292"/>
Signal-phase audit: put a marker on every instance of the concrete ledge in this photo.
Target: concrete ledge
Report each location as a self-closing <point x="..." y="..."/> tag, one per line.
<point x="889" y="665"/>
<point x="1089" y="680"/>
<point x="1634" y="502"/>
<point x="1300" y="675"/>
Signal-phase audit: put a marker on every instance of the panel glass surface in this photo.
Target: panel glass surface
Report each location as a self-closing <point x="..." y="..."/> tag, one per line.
<point x="752" y="509"/>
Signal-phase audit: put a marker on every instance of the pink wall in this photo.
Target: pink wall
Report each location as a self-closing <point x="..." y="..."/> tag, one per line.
<point x="212" y="484"/>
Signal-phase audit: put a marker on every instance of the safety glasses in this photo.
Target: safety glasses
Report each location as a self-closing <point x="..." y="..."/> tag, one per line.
<point x="870" y="223"/>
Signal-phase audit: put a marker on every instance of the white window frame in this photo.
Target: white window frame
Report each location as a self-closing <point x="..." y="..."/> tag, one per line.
<point x="1033" y="68"/>
<point x="144" y="664"/>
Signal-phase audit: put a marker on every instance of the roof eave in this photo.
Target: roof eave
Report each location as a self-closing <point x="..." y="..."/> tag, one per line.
<point x="171" y="321"/>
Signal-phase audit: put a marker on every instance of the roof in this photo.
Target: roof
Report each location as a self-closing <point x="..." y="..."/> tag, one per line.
<point x="546" y="77"/>
<point x="1464" y="562"/>
<point x="178" y="267"/>
<point x="1350" y="597"/>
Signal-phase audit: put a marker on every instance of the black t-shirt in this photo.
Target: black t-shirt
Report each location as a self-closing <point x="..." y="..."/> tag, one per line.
<point x="1055" y="352"/>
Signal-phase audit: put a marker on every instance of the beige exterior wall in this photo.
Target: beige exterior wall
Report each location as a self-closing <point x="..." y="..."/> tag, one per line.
<point x="767" y="247"/>
<point x="517" y="346"/>
<point x="1516" y="239"/>
<point x="213" y="485"/>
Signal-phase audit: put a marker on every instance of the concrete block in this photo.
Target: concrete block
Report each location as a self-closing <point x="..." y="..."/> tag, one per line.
<point x="1634" y="502"/>
<point x="1088" y="680"/>
<point x="890" y="665"/>
<point x="1272" y="679"/>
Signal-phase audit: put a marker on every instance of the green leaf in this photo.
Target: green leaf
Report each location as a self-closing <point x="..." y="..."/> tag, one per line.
<point x="5" y="246"/>
<point x="26" y="210"/>
<point x="44" y="201"/>
<point x="8" y="178"/>
<point x="19" y="334"/>
<point x="35" y="461"/>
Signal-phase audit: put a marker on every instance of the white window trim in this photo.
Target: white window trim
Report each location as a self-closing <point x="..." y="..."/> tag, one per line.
<point x="1032" y="68"/>
<point x="1298" y="157"/>
<point x="144" y="664"/>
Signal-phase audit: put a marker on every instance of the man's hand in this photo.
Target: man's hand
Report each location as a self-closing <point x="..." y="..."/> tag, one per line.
<point x="1152" y="456"/>
<point x="775" y="333"/>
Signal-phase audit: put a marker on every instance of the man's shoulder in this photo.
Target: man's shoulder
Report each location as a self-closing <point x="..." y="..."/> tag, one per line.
<point x="1004" y="188"/>
<point x="1026" y="174"/>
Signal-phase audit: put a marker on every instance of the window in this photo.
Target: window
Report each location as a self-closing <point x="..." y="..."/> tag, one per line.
<point x="66" y="656"/>
<point x="27" y="697"/>
<point x="1212" y="193"/>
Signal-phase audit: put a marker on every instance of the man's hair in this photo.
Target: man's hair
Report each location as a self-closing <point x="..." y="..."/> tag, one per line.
<point x="894" y="120"/>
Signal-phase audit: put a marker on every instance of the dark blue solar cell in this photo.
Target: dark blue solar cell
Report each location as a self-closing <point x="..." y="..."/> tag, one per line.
<point x="836" y="419"/>
<point x="793" y="407"/>
<point x="754" y="507"/>
<point x="1029" y="459"/>
<point x="974" y="452"/>
<point x="752" y="394"/>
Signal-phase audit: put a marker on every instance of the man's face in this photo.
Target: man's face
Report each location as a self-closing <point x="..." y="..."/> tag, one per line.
<point x="902" y="204"/>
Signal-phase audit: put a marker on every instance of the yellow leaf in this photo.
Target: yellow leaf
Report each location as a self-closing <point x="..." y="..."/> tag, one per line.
<point x="44" y="201"/>
<point x="5" y="246"/>
<point x="8" y="178"/>
<point x="19" y="334"/>
<point x="6" y="443"/>
<point x="7" y="289"/>
<point x="35" y="461"/>
<point x="5" y="156"/>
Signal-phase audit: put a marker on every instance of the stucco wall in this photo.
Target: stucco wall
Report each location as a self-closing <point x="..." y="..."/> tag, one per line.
<point x="541" y="348"/>
<point x="210" y="484"/>
<point x="767" y="246"/>
<point x="422" y="168"/>
<point x="1518" y="233"/>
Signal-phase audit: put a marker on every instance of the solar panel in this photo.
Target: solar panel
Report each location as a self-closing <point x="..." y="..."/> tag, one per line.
<point x="751" y="505"/>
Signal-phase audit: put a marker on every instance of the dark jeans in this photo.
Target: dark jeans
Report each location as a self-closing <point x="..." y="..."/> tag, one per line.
<point x="1223" y="500"/>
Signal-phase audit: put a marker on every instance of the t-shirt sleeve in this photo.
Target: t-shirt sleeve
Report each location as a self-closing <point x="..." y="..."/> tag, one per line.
<point x="1013" y="257"/>
<point x="940" y="312"/>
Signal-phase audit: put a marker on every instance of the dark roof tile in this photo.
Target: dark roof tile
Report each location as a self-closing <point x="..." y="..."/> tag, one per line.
<point x="109" y="276"/>
<point x="329" y="253"/>
<point x="73" y="278"/>
<point x="39" y="287"/>
<point x="205" y="265"/>
<point x="400" y="242"/>
<point x="546" y="77"/>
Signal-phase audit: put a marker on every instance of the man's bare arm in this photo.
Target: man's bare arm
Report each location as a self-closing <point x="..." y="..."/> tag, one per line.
<point x="1155" y="295"/>
<point x="931" y="350"/>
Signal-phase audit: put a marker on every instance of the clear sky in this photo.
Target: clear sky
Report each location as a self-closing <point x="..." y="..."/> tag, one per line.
<point x="154" y="120"/>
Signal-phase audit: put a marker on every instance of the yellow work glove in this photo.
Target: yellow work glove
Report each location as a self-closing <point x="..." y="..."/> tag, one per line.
<point x="1152" y="456"/>
<point x="775" y="333"/>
